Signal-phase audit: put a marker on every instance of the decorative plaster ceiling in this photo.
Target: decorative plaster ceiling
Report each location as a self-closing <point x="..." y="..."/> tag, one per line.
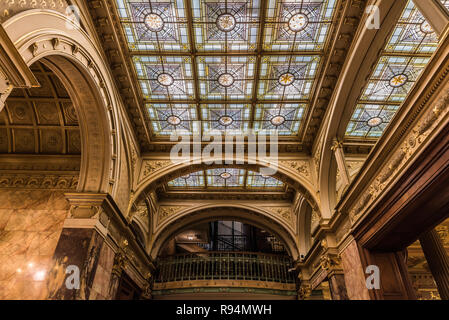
<point x="40" y="120"/>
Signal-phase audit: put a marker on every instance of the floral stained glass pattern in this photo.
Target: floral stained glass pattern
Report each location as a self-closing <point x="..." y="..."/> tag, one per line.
<point x="287" y="78"/>
<point x="165" y="77"/>
<point x="154" y="25"/>
<point x="226" y="25"/>
<point x="298" y="25"/>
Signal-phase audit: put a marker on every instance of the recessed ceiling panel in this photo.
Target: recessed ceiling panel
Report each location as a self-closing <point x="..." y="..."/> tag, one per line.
<point x="226" y="77"/>
<point x="298" y="25"/>
<point x="227" y="118"/>
<point x="165" y="77"/>
<point x="154" y="25"/>
<point x="226" y="178"/>
<point x="231" y="25"/>
<point x="287" y="77"/>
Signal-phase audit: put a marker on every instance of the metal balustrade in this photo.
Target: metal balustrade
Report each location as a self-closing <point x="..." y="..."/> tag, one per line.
<point x="225" y="266"/>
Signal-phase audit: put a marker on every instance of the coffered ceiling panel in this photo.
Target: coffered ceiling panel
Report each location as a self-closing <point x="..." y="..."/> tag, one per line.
<point x="40" y="120"/>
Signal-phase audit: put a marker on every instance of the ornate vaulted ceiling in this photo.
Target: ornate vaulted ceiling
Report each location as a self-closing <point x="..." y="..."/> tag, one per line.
<point x="40" y="121"/>
<point x="193" y="66"/>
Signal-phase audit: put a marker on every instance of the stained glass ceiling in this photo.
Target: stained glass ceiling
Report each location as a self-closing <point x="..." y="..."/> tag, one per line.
<point x="227" y="178"/>
<point x="404" y="57"/>
<point x="232" y="66"/>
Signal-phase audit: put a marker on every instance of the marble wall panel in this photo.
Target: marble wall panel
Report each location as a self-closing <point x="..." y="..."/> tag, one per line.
<point x="30" y="226"/>
<point x="354" y="275"/>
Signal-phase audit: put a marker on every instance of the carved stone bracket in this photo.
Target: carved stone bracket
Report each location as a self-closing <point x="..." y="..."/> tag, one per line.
<point x="14" y="73"/>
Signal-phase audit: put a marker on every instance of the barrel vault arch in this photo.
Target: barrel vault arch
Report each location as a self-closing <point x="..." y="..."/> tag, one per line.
<point x="50" y="37"/>
<point x="207" y="213"/>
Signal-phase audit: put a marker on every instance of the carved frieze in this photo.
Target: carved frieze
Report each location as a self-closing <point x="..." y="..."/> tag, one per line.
<point x="36" y="181"/>
<point x="166" y="212"/>
<point x="300" y="166"/>
<point x="150" y="166"/>
<point x="406" y="150"/>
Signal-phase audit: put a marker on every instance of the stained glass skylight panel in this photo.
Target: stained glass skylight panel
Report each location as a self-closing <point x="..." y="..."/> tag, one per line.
<point x="393" y="78"/>
<point x="370" y="120"/>
<point x="193" y="180"/>
<point x="287" y="77"/>
<point x="225" y="177"/>
<point x="167" y="39"/>
<point x="165" y="77"/>
<point x="227" y="118"/>
<point x="285" y="118"/>
<point x="154" y="25"/>
<point x="298" y="25"/>
<point x="226" y="77"/>
<point x="168" y="118"/>
<point x="231" y="25"/>
<point x="405" y="56"/>
<point x="413" y="33"/>
<point x="259" y="181"/>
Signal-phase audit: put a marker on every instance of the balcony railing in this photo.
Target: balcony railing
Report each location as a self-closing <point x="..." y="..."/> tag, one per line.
<point x="225" y="266"/>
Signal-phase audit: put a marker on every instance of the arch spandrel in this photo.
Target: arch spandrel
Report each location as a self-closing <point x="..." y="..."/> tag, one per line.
<point x="69" y="51"/>
<point x="207" y="213"/>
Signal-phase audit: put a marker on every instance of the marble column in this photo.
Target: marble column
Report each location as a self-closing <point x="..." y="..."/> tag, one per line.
<point x="83" y="259"/>
<point x="438" y="261"/>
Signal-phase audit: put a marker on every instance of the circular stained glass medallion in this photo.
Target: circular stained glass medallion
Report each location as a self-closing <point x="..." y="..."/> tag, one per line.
<point x="277" y="120"/>
<point x="225" y="121"/>
<point x="226" y="80"/>
<point x="226" y="22"/>
<point x="374" y="122"/>
<point x="154" y="22"/>
<point x="425" y="27"/>
<point x="225" y="175"/>
<point x="298" y="22"/>
<point x="174" y="120"/>
<point x="398" y="80"/>
<point x="286" y="79"/>
<point x="165" y="79"/>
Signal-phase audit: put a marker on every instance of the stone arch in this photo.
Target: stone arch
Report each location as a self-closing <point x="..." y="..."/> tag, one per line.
<point x="212" y="212"/>
<point x="297" y="176"/>
<point x="361" y="60"/>
<point x="48" y="36"/>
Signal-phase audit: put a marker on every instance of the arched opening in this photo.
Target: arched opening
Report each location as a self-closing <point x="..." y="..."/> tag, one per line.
<point x="239" y="256"/>
<point x="41" y="147"/>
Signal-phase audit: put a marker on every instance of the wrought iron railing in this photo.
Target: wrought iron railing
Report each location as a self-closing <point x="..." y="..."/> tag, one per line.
<point x="225" y="266"/>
